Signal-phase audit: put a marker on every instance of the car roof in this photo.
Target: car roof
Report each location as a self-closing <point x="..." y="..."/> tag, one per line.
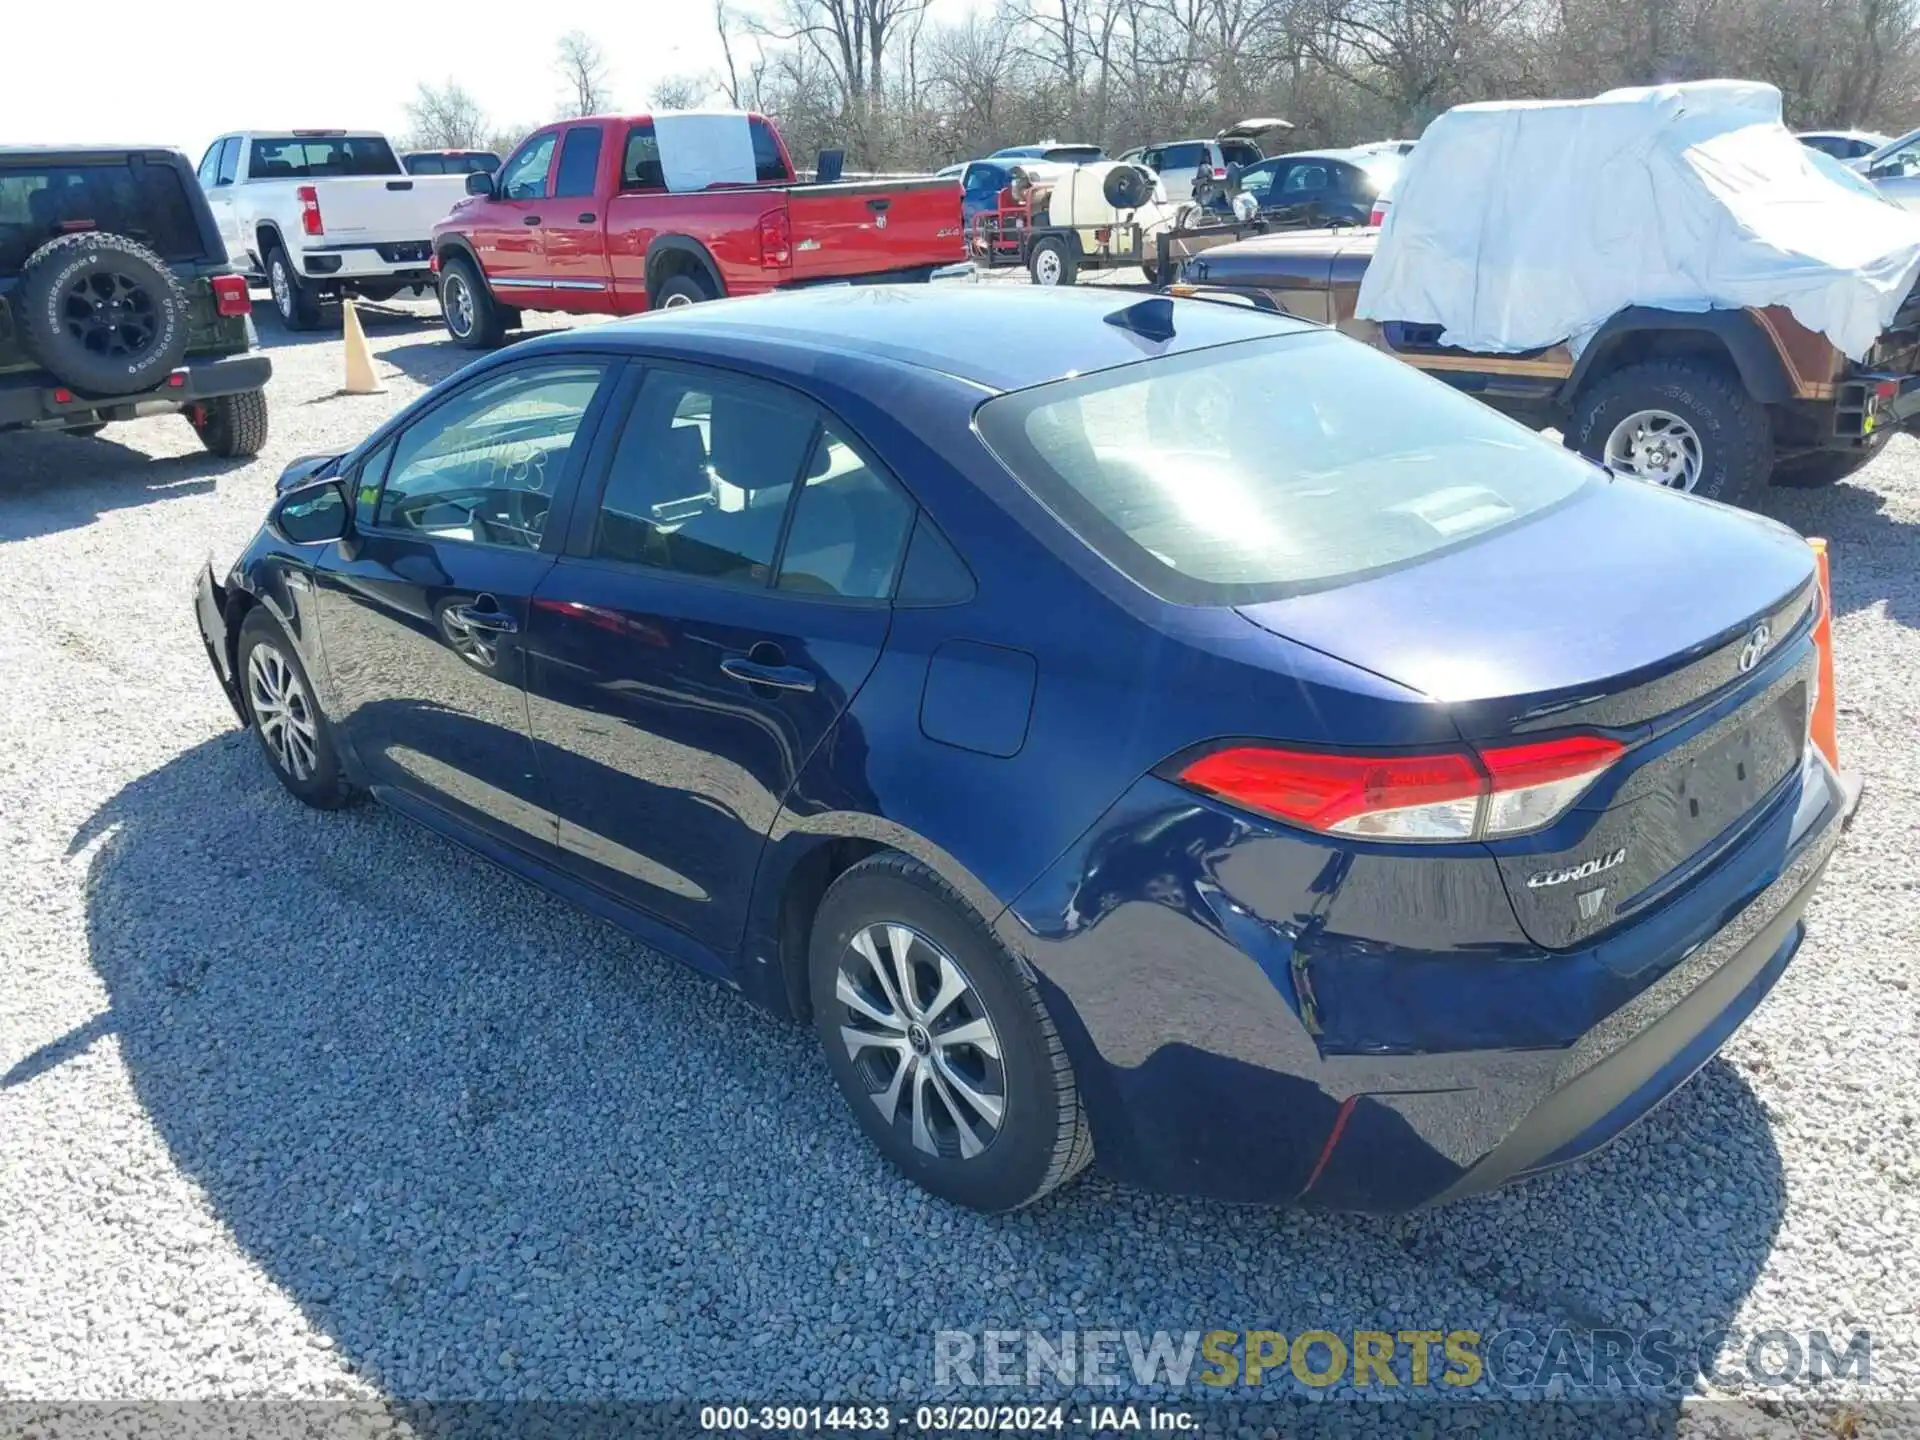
<point x="1000" y="337"/>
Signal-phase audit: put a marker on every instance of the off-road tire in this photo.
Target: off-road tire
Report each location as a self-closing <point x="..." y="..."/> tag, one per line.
<point x="487" y="329"/>
<point x="59" y="318"/>
<point x="678" y="290"/>
<point x="234" y="427"/>
<point x="326" y="788"/>
<point x="1044" y="1139"/>
<point x="300" y="309"/>
<point x="1736" y="433"/>
<point x="1827" y="467"/>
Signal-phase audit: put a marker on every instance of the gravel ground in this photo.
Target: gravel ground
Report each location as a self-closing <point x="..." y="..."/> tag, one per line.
<point x="308" y="1106"/>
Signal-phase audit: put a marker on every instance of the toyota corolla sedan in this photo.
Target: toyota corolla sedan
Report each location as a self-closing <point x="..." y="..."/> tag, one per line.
<point x="1183" y="736"/>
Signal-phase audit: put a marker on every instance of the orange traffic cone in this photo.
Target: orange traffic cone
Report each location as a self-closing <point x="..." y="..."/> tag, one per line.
<point x="360" y="377"/>
<point x="1822" y="728"/>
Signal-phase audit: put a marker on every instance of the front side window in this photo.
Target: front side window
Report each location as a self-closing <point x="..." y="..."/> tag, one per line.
<point x="483" y="467"/>
<point x="849" y="526"/>
<point x="701" y="477"/>
<point x="1256" y="470"/>
<point x="525" y="176"/>
<point x="1258" y="182"/>
<point x="209" y="170"/>
<point x="229" y="162"/>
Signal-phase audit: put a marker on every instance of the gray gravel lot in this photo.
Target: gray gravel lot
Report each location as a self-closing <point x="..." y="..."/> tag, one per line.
<point x="302" y="1105"/>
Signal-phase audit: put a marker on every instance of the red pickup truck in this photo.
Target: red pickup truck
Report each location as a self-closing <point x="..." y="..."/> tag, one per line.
<point x="615" y="215"/>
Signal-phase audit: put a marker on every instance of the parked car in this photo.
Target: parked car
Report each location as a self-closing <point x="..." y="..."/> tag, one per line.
<point x="1715" y="397"/>
<point x="1192" y="169"/>
<point x="450" y="162"/>
<point x="1314" y="188"/>
<point x="1894" y="170"/>
<point x="612" y="215"/>
<point x="1843" y="144"/>
<point x="1465" y="891"/>
<point x="1053" y="154"/>
<point x="117" y="300"/>
<point x="323" y="213"/>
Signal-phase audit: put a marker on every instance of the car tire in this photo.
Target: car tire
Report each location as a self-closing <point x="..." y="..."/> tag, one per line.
<point x="678" y="290"/>
<point x="1051" y="262"/>
<point x="101" y="312"/>
<point x="467" y="307"/>
<point x="295" y="301"/>
<point x="1696" y="407"/>
<point x="1827" y="467"/>
<point x="992" y="1122"/>
<point x="285" y="717"/>
<point x="234" y="427"/>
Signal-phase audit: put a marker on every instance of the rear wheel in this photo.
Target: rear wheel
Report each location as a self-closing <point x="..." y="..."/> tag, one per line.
<point x="1685" y="424"/>
<point x="293" y="734"/>
<point x="297" y="302"/>
<point x="234" y="426"/>
<point x="678" y="290"/>
<point x="1827" y="467"/>
<point x="466" y="304"/>
<point x="1051" y="262"/>
<point x="939" y="1042"/>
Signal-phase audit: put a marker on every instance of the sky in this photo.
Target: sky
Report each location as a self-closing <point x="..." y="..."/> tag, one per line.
<point x="180" y="78"/>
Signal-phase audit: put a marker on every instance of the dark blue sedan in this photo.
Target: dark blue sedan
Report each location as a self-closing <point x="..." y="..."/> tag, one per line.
<point x="1148" y="729"/>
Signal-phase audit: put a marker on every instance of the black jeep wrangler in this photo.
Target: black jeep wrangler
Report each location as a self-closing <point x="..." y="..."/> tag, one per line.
<point x="117" y="301"/>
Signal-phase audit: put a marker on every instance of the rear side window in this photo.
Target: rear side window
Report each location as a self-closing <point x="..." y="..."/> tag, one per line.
<point x="1183" y="157"/>
<point x="769" y="165"/>
<point x="849" y="526"/>
<point x="640" y="169"/>
<point x="147" y="202"/>
<point x="579" y="162"/>
<point x="311" y="157"/>
<point x="1256" y="470"/>
<point x="426" y="164"/>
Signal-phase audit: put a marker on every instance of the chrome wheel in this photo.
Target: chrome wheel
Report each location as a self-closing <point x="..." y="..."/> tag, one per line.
<point x="457" y="301"/>
<point x="282" y="286"/>
<point x="282" y="711"/>
<point x="1046" y="266"/>
<point x="921" y="1040"/>
<point x="676" y="300"/>
<point x="1657" y="446"/>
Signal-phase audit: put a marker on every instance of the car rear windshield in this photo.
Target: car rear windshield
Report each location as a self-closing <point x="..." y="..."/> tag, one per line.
<point x="146" y="202"/>
<point x="308" y="157"/>
<point x="1257" y="470"/>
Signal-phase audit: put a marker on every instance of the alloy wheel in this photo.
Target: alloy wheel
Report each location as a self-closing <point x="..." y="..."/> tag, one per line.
<point x="921" y="1040"/>
<point x="110" y="314"/>
<point x="1656" y="446"/>
<point x="459" y="306"/>
<point x="676" y="300"/>
<point x="282" y="711"/>
<point x="282" y="287"/>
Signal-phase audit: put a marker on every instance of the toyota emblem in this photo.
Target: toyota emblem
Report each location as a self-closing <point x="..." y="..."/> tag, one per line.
<point x="1758" y="639"/>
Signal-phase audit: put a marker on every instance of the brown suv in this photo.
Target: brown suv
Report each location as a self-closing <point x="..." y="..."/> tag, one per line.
<point x="1718" y="402"/>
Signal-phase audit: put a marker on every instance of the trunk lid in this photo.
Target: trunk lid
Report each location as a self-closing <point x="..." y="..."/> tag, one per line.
<point x="858" y="228"/>
<point x="1619" y="611"/>
<point x="1254" y="129"/>
<point x="379" y="208"/>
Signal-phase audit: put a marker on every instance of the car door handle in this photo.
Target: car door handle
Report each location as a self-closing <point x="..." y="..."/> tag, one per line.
<point x="586" y="217"/>
<point x="529" y="219"/>
<point x="878" y="207"/>
<point x="776" y="677"/>
<point x="473" y="618"/>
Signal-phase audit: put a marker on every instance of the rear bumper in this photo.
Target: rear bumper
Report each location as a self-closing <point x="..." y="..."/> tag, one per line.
<point x="1239" y="1032"/>
<point x="403" y="261"/>
<point x="28" y="401"/>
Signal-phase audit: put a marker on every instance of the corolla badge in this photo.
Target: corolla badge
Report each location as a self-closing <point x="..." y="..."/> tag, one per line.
<point x="1758" y="639"/>
<point x="1586" y="868"/>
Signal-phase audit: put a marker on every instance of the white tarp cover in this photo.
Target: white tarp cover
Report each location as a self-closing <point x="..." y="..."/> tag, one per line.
<point x="699" y="148"/>
<point x="1524" y="224"/>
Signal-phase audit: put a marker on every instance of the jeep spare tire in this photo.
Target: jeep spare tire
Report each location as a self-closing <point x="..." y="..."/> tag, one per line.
<point x="102" y="313"/>
<point x="1127" y="187"/>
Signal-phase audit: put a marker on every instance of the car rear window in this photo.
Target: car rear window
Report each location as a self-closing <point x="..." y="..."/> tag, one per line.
<point x="309" y="157"/>
<point x="145" y="202"/>
<point x="1252" y="471"/>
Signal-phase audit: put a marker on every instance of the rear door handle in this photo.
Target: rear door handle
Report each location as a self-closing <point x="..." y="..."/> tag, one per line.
<point x="775" y="677"/>
<point x="498" y="621"/>
<point x="529" y="219"/>
<point x="878" y="206"/>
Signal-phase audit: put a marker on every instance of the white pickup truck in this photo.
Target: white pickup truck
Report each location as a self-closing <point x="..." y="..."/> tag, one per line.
<point x="324" y="213"/>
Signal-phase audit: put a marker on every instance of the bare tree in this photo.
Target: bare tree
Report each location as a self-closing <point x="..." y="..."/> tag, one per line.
<point x="445" y="118"/>
<point x="681" y="92"/>
<point x="583" y="70"/>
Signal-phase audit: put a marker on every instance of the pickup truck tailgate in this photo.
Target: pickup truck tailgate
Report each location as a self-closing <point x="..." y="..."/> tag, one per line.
<point x="869" y="227"/>
<point x="378" y="208"/>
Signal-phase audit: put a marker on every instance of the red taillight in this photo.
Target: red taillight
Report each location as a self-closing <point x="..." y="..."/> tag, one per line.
<point x="310" y="210"/>
<point x="776" y="239"/>
<point x="1378" y="216"/>
<point x="1448" y="795"/>
<point x="1219" y="172"/>
<point x="230" y="295"/>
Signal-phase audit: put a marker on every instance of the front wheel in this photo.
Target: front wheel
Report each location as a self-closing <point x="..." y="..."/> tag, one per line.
<point x="466" y="304"/>
<point x="939" y="1042"/>
<point x="286" y="720"/>
<point x="233" y="427"/>
<point x="1687" y="425"/>
<point x="1051" y="263"/>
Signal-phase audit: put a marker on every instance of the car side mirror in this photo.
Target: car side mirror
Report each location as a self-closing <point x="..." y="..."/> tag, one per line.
<point x="313" y="514"/>
<point x="480" y="183"/>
